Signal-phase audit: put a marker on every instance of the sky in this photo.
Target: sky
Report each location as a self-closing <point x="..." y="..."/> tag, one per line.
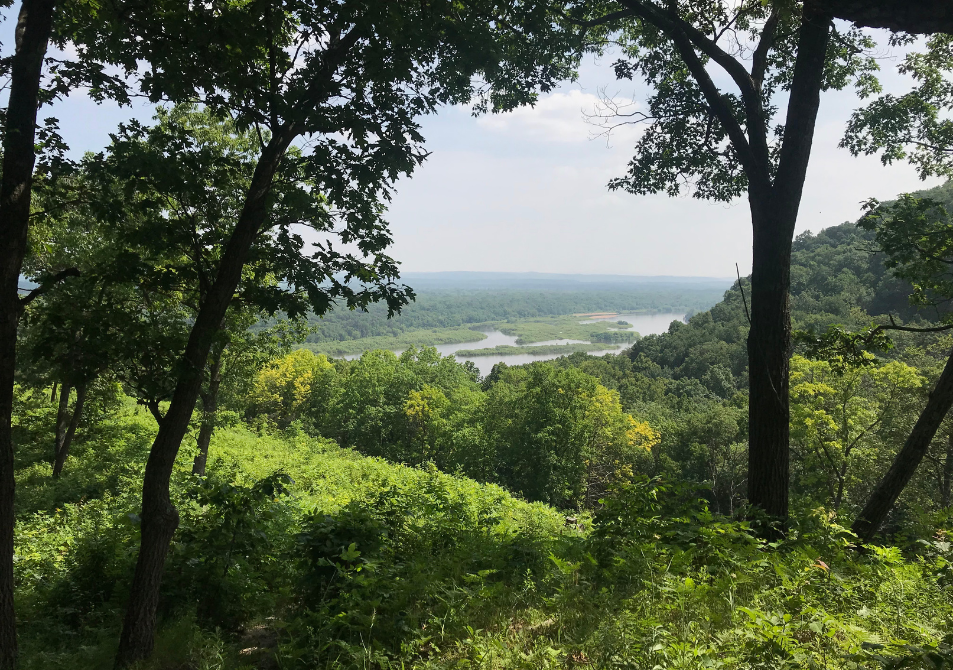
<point x="526" y="191"/>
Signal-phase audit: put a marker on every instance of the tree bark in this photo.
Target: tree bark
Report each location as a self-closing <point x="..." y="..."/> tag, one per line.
<point x="209" y="409"/>
<point x="159" y="516"/>
<point x="153" y="406"/>
<point x="885" y="495"/>
<point x="774" y="213"/>
<point x="909" y="16"/>
<point x="768" y="354"/>
<point x="62" y="452"/>
<point x="62" y="418"/>
<point x="19" y="155"/>
<point x="946" y="480"/>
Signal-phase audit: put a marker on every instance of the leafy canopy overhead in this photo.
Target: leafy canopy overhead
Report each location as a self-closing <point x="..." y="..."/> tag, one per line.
<point x="915" y="126"/>
<point x="363" y="69"/>
<point x="718" y="73"/>
<point x="351" y="78"/>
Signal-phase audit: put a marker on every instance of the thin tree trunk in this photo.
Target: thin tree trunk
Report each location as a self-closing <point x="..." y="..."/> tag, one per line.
<point x="53" y="393"/>
<point x="63" y="452"/>
<point x="885" y="495"/>
<point x="62" y="418"/>
<point x="19" y="155"/>
<point x="946" y="483"/>
<point x="839" y="498"/>
<point x="209" y="409"/>
<point x="154" y="410"/>
<point x="159" y="516"/>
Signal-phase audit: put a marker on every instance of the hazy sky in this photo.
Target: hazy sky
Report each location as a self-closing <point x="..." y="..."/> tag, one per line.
<point x="526" y="191"/>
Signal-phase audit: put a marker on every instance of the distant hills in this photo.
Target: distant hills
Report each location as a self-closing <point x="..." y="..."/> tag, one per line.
<point x="541" y="281"/>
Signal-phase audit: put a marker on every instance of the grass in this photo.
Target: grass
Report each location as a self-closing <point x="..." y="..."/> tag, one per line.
<point x="539" y="350"/>
<point x="415" y="338"/>
<point x="299" y="552"/>
<point x="528" y="331"/>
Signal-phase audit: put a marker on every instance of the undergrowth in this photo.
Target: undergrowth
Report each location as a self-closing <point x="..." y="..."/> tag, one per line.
<point x="295" y="553"/>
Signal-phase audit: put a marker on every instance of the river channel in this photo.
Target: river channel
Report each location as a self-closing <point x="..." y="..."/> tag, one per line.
<point x="644" y="324"/>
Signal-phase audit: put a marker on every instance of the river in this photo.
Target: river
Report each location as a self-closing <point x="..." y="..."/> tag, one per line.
<point x="643" y="324"/>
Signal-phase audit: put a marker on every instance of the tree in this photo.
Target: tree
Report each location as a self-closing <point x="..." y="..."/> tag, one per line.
<point x="916" y="235"/>
<point x="234" y="363"/>
<point x="73" y="335"/>
<point x="427" y="413"/>
<point x="65" y="343"/>
<point x="352" y="77"/>
<point x="729" y="143"/>
<point x="839" y="419"/>
<point x="19" y="137"/>
<point x="283" y="388"/>
<point x="387" y="405"/>
<point x="143" y="276"/>
<point x="614" y="440"/>
<point x="34" y="30"/>
<point x="559" y="436"/>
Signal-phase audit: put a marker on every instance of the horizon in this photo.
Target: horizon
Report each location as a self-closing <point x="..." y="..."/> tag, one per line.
<point x="526" y="191"/>
<point x="562" y="274"/>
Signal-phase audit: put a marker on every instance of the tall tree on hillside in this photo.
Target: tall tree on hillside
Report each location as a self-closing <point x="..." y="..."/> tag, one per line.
<point x="724" y="139"/>
<point x="19" y="136"/>
<point x="917" y="237"/>
<point x="915" y="234"/>
<point x="352" y="77"/>
<point x="34" y="31"/>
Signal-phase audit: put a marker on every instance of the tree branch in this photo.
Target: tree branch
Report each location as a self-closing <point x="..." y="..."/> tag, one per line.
<point x="687" y="38"/>
<point x="803" y="103"/>
<point x="602" y="20"/>
<point x="669" y="21"/>
<point x="153" y="406"/>
<point x="759" y="59"/>
<point x="910" y="329"/>
<point x="923" y="16"/>
<point x="47" y="285"/>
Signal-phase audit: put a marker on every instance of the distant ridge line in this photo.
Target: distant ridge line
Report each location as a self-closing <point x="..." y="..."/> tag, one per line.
<point x="543" y="281"/>
<point x="467" y="274"/>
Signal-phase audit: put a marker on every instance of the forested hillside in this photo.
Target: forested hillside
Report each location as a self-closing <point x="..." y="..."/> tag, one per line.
<point x="189" y="481"/>
<point x="403" y="509"/>
<point x="837" y="277"/>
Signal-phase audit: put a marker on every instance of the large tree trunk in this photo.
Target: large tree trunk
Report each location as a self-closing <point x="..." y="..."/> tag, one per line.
<point x="62" y="452"/>
<point x="209" y="409"/>
<point x="159" y="516"/>
<point x="19" y="155"/>
<point x="774" y="212"/>
<point x="768" y="354"/>
<point x="884" y="497"/>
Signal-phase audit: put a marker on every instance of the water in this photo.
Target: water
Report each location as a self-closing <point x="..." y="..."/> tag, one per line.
<point x="644" y="324"/>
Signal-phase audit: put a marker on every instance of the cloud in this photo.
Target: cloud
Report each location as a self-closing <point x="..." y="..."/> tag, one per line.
<point x="559" y="117"/>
